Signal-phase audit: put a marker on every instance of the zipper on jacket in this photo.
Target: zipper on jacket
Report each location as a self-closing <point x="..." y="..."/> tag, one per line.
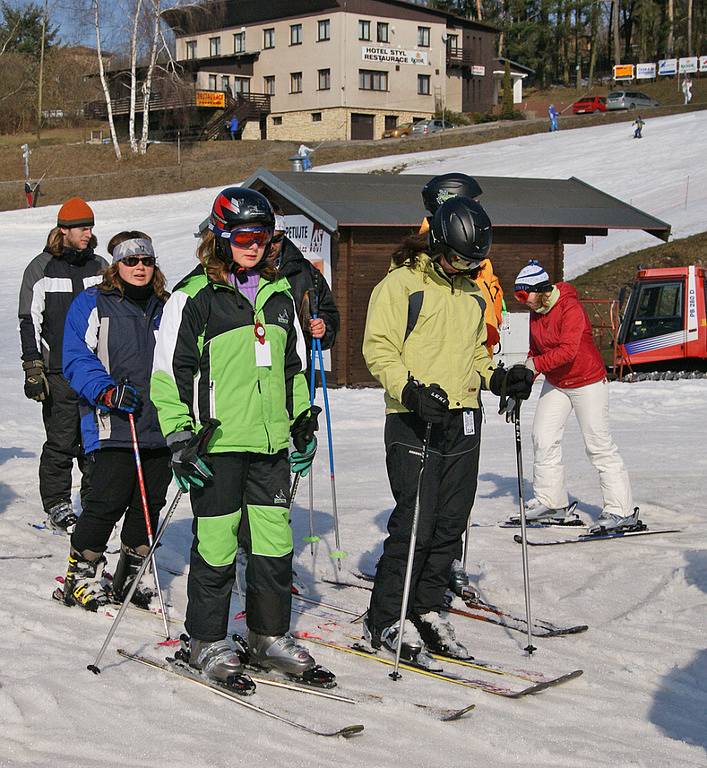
<point x="265" y="425"/>
<point x="212" y="398"/>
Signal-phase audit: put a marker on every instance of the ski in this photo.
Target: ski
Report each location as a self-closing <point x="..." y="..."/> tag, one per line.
<point x="482" y="611"/>
<point x="596" y="537"/>
<point x="346" y="731"/>
<point x="25" y="557"/>
<point x="486" y="686"/>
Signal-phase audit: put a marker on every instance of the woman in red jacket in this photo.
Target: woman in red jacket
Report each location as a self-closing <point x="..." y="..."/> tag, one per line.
<point x="562" y="348"/>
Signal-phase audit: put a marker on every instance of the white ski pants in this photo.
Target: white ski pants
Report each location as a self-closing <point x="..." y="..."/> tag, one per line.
<point x="591" y="406"/>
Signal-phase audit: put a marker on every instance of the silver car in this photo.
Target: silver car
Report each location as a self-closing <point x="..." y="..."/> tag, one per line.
<point x="434" y="125"/>
<point x="629" y="100"/>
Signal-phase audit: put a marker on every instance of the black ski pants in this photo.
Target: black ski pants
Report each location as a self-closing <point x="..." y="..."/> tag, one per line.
<point x="447" y="496"/>
<point x="115" y="491"/>
<point x="60" y="412"/>
<point x="246" y="503"/>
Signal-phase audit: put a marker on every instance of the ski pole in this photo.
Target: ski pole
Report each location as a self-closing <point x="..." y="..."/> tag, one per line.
<point x="523" y="533"/>
<point x="126" y="602"/>
<point x="337" y="554"/>
<point x="311" y="538"/>
<point x="395" y="675"/>
<point x="146" y="513"/>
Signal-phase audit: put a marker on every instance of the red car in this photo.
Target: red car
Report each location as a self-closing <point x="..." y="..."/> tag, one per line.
<point x="589" y="104"/>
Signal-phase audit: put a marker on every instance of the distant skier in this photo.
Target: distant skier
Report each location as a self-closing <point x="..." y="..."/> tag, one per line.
<point x="687" y="89"/>
<point x="424" y="341"/>
<point x="563" y="349"/>
<point x="65" y="267"/>
<point x="109" y="342"/>
<point x="233" y="127"/>
<point x="304" y="152"/>
<point x="638" y="124"/>
<point x="553" y="115"/>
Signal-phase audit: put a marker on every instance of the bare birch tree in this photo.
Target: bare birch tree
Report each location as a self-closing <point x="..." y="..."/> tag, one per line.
<point x="147" y="84"/>
<point x="96" y="8"/>
<point x="133" y="76"/>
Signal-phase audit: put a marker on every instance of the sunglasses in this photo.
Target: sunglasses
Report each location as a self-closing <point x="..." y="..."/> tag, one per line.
<point x="133" y="261"/>
<point x="245" y="238"/>
<point x="521" y="296"/>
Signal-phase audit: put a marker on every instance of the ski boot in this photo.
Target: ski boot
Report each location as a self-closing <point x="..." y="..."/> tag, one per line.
<point x="413" y="648"/>
<point x="438" y="635"/>
<point x="537" y="512"/>
<point x="459" y="582"/>
<point x="84" y="584"/>
<point x="613" y="523"/>
<point x="220" y="661"/>
<point x="282" y="654"/>
<point x="61" y="517"/>
<point x="125" y="572"/>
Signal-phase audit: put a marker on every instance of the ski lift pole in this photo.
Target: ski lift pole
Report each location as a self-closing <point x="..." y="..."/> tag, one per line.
<point x="337" y="554"/>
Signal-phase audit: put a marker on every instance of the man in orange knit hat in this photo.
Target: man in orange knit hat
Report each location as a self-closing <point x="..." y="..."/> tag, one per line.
<point x="66" y="266"/>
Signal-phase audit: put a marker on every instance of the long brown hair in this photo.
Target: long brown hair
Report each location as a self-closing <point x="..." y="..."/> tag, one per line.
<point x="111" y="277"/>
<point x="408" y="253"/>
<point x="216" y="269"/>
<point x="55" y="243"/>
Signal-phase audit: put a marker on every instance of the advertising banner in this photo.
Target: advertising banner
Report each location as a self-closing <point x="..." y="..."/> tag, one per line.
<point x="623" y="72"/>
<point x="478" y="71"/>
<point x="667" y="67"/>
<point x="687" y="65"/>
<point x="703" y="63"/>
<point x="378" y="55"/>
<point x="645" y="71"/>
<point x="210" y="99"/>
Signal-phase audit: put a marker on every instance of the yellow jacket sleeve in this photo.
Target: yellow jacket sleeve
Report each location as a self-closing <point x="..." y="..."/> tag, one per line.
<point x="482" y="363"/>
<point x="384" y="335"/>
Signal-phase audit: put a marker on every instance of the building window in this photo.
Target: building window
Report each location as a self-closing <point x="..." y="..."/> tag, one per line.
<point x="372" y="80"/>
<point x="423" y="37"/>
<point x="238" y="42"/>
<point x="323" y="30"/>
<point x="324" y="83"/>
<point x="269" y="85"/>
<point x="452" y="42"/>
<point x="212" y="82"/>
<point x="269" y="37"/>
<point x="241" y="85"/>
<point x="364" y="29"/>
<point x="295" y="34"/>
<point x="423" y="85"/>
<point x="316" y="117"/>
<point x="226" y="83"/>
<point x="214" y="46"/>
<point x="191" y="49"/>
<point x="295" y="82"/>
<point x="391" y="122"/>
<point x="382" y="32"/>
<point x="277" y="121"/>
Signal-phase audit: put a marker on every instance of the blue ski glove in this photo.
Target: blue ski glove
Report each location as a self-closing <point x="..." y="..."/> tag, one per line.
<point x="302" y="431"/>
<point x="189" y="469"/>
<point x="301" y="461"/>
<point x="123" y="397"/>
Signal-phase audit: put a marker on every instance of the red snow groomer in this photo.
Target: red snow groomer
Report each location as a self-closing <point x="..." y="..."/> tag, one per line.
<point x="664" y="327"/>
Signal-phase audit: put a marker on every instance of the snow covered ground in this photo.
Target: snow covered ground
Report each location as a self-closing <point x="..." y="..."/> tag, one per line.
<point x="643" y="696"/>
<point x="664" y="174"/>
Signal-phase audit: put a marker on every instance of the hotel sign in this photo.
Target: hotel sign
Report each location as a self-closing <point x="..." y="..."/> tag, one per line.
<point x="378" y="55"/>
<point x="210" y="99"/>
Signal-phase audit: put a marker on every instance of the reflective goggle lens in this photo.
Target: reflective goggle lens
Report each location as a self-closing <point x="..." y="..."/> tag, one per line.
<point x="133" y="261"/>
<point x="521" y="296"/>
<point x="245" y="238"/>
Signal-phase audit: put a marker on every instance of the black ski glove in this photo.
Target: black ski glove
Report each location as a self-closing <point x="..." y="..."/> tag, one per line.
<point x="515" y="382"/>
<point x="429" y="402"/>
<point x="123" y="397"/>
<point x="304" y="427"/>
<point x="189" y="469"/>
<point x="36" y="384"/>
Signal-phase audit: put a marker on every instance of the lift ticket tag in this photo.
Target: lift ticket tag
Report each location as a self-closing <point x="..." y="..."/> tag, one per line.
<point x="468" y="416"/>
<point x="263" y="358"/>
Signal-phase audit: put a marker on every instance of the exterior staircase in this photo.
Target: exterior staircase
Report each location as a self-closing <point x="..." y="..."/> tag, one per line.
<point x="244" y="106"/>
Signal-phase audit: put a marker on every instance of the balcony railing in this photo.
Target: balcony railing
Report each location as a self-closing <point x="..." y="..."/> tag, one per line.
<point x="458" y="57"/>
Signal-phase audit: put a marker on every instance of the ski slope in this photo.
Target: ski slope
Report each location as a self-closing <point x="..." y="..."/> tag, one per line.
<point x="664" y="173"/>
<point x="643" y="696"/>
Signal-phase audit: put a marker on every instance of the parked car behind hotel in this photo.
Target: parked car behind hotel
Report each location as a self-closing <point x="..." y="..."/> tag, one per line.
<point x="589" y="104"/>
<point x="629" y="100"/>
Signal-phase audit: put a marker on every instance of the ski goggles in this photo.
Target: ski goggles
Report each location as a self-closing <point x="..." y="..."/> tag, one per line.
<point x="129" y="250"/>
<point x="246" y="237"/>
<point x="521" y="295"/>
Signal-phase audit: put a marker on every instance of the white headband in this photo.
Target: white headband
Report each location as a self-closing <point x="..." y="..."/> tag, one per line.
<point x="136" y="247"/>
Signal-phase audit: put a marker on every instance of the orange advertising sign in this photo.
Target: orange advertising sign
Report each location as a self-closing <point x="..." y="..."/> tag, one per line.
<point x="623" y="72"/>
<point x="210" y="99"/>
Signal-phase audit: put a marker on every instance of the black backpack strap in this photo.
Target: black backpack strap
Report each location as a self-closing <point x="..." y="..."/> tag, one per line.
<point x="414" y="309"/>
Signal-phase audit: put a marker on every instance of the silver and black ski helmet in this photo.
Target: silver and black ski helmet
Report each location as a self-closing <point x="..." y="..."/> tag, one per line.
<point x="236" y="207"/>
<point x="441" y="188"/>
<point x="460" y="231"/>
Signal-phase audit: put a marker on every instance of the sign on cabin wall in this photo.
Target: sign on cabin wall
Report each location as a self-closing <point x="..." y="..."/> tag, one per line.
<point x="210" y="99"/>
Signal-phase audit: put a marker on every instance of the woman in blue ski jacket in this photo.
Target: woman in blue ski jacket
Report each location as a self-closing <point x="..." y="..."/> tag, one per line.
<point x="109" y="342"/>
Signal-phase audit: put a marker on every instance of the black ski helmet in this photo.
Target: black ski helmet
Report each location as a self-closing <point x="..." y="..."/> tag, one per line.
<point x="441" y="188"/>
<point x="238" y="207"/>
<point x="461" y="232"/>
